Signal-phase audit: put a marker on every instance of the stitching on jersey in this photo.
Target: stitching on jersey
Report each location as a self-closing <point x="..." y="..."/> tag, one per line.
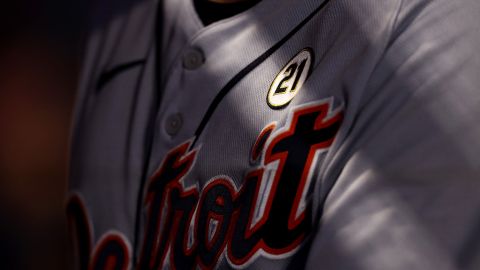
<point x="108" y="75"/>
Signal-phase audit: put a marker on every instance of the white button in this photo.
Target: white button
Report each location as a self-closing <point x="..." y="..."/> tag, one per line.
<point x="173" y="124"/>
<point x="193" y="59"/>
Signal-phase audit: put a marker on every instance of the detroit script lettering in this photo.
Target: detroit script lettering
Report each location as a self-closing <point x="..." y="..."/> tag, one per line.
<point x="187" y="227"/>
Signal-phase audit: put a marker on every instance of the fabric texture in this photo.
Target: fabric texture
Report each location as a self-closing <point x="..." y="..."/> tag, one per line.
<point x="371" y="164"/>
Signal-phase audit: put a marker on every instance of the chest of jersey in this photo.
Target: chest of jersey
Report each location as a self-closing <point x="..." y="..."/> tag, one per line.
<point x="212" y="155"/>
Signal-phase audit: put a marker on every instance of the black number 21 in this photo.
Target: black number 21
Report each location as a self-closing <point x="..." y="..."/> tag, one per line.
<point x="291" y="70"/>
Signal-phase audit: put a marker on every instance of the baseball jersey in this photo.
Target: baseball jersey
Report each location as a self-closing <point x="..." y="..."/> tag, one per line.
<point x="312" y="134"/>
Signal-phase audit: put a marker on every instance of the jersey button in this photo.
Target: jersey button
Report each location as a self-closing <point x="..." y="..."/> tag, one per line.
<point x="173" y="124"/>
<point x="193" y="59"/>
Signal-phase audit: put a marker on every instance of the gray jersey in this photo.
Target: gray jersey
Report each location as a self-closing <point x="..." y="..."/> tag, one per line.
<point x="316" y="134"/>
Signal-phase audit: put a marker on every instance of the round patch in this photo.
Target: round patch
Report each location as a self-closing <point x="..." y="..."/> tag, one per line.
<point x="290" y="79"/>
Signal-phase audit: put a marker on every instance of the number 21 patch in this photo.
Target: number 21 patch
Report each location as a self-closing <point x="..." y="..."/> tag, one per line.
<point x="290" y="79"/>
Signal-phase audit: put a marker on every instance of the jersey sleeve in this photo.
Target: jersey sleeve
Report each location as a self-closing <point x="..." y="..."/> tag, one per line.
<point x="407" y="195"/>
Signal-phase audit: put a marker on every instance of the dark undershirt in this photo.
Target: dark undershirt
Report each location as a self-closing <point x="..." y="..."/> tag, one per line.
<point x="210" y="12"/>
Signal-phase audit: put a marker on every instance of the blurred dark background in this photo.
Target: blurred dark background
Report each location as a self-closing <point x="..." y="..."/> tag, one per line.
<point x="40" y="54"/>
